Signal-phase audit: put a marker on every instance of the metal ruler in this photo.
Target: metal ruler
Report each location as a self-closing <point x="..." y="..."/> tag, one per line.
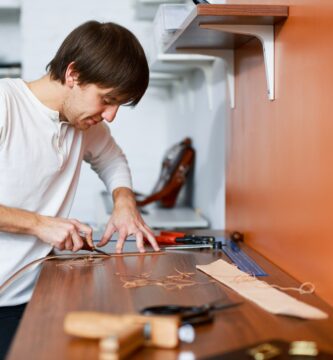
<point x="240" y="258"/>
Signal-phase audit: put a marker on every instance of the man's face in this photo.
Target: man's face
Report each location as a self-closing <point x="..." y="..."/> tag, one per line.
<point x="87" y="105"/>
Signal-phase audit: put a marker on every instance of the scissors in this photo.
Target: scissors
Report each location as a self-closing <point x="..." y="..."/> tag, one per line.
<point x="193" y="315"/>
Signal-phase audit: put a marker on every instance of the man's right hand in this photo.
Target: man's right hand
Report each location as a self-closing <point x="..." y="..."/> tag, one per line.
<point x="63" y="234"/>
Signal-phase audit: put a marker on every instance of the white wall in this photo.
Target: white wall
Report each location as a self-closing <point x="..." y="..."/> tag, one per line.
<point x="194" y="117"/>
<point x="156" y="123"/>
<point x="10" y="37"/>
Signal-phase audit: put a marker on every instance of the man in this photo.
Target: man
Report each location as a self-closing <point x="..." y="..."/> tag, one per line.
<point x="47" y="127"/>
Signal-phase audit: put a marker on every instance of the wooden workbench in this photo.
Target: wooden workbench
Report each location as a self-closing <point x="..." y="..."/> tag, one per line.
<point x="99" y="288"/>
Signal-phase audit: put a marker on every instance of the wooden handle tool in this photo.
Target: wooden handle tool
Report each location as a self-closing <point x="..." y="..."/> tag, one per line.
<point x="117" y="347"/>
<point x="160" y="331"/>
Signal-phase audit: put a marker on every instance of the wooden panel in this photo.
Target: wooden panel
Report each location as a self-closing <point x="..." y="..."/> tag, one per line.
<point x="98" y="288"/>
<point x="273" y="13"/>
<point x="279" y="172"/>
<point x="191" y="36"/>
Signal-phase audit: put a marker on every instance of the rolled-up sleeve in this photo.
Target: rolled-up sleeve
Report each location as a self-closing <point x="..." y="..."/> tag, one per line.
<point x="106" y="157"/>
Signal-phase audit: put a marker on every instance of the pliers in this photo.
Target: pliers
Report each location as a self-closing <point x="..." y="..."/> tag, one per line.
<point x="168" y="237"/>
<point x="174" y="238"/>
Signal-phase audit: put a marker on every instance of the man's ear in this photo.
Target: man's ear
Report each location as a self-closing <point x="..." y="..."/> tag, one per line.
<point x="71" y="75"/>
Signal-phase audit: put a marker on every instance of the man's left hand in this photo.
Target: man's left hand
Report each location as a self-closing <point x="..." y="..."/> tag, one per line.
<point x="126" y="220"/>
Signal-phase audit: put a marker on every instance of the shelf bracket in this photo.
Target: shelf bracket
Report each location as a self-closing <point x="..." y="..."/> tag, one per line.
<point x="206" y="66"/>
<point x="265" y="34"/>
<point x="228" y="57"/>
<point x="185" y="64"/>
<point x="207" y="70"/>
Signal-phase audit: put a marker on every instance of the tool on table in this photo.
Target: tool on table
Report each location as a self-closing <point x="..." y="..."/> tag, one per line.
<point x="120" y="335"/>
<point x="173" y="238"/>
<point x="243" y="261"/>
<point x="189" y="247"/>
<point x="87" y="247"/>
<point x="168" y="237"/>
<point x="227" y="244"/>
<point x="193" y="315"/>
<point x="195" y="239"/>
<point x="99" y="251"/>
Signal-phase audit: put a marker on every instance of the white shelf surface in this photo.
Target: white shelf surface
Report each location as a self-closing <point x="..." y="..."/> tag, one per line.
<point x="174" y="63"/>
<point x="164" y="79"/>
<point x="156" y="218"/>
<point x="146" y="9"/>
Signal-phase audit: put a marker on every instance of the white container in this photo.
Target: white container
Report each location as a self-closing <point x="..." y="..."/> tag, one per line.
<point x="146" y="9"/>
<point x="169" y="18"/>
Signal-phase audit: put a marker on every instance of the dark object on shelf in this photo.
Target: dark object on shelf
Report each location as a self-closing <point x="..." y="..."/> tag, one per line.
<point x="197" y="2"/>
<point x="174" y="238"/>
<point x="10" y="70"/>
<point x="10" y="65"/>
<point x="176" y="166"/>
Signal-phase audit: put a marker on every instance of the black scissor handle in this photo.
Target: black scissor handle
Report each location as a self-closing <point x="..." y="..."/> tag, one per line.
<point x="172" y="310"/>
<point x="193" y="315"/>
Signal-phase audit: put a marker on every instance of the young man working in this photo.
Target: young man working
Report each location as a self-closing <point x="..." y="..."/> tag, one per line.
<point x="47" y="127"/>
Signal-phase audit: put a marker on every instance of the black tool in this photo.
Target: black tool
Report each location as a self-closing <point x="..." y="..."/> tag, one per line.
<point x="194" y="239"/>
<point x="197" y="2"/>
<point x="238" y="256"/>
<point x="193" y="315"/>
<point x="194" y="246"/>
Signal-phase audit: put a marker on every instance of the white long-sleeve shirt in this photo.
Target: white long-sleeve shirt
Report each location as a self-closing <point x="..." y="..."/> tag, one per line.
<point x="40" y="162"/>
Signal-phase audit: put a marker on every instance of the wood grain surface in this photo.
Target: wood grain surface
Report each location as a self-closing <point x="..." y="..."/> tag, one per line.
<point x="100" y="288"/>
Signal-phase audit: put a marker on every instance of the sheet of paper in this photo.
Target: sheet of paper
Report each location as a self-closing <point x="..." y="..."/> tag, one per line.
<point x="261" y="293"/>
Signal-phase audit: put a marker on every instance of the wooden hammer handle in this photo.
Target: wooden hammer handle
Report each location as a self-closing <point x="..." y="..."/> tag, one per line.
<point x="95" y="325"/>
<point x="92" y="325"/>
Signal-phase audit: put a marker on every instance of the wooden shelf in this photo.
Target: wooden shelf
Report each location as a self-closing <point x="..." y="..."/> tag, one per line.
<point x="193" y="36"/>
<point x="225" y="27"/>
<point x="41" y="333"/>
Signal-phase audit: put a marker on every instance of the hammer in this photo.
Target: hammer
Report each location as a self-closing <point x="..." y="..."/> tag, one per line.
<point x="120" y="335"/>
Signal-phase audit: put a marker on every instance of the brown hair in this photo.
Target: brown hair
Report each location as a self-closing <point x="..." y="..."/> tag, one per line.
<point x="104" y="54"/>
